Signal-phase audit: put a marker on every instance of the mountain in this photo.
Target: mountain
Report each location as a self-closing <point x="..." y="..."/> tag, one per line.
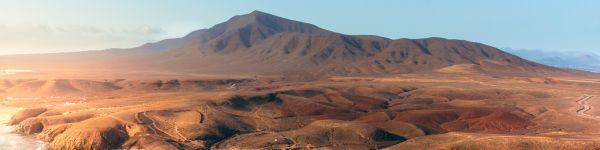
<point x="261" y="43"/>
<point x="575" y="60"/>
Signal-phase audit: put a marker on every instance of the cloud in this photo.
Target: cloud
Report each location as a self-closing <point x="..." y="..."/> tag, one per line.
<point x="151" y="30"/>
<point x="43" y="27"/>
<point x="94" y="30"/>
<point x="53" y="38"/>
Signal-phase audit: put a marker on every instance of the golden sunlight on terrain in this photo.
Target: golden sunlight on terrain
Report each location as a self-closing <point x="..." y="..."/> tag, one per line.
<point x="465" y="110"/>
<point x="259" y="81"/>
<point x="7" y="112"/>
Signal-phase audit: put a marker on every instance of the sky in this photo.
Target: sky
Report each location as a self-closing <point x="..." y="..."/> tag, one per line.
<point x="48" y="26"/>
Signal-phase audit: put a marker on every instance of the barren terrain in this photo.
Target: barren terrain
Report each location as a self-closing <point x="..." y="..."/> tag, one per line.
<point x="259" y="81"/>
<point x="416" y="111"/>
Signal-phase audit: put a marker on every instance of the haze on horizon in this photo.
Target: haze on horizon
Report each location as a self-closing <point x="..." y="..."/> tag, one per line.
<point x="47" y="26"/>
<point x="299" y="75"/>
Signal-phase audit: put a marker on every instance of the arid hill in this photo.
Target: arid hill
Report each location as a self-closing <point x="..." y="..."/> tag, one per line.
<point x="261" y="43"/>
<point x="233" y="86"/>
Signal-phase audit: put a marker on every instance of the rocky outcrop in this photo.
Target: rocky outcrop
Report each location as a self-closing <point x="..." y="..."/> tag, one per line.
<point x="94" y="134"/>
<point x="26" y="113"/>
<point x="366" y="117"/>
<point x="37" y="124"/>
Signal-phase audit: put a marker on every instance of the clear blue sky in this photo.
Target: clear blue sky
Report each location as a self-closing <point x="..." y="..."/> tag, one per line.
<point x="34" y="26"/>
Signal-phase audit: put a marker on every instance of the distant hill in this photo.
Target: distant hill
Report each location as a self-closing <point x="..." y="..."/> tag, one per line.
<point x="575" y="60"/>
<point x="261" y="43"/>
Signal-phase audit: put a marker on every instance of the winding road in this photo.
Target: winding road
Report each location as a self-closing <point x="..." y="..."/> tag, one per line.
<point x="142" y="118"/>
<point x="585" y="107"/>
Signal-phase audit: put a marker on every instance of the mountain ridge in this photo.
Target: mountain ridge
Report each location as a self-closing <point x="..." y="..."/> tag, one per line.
<point x="261" y="43"/>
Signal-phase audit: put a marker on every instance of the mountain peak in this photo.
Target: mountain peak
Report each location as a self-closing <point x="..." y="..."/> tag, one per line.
<point x="269" y="23"/>
<point x="251" y="27"/>
<point x="261" y="43"/>
<point x="257" y="13"/>
<point x="253" y="17"/>
<point x="259" y="16"/>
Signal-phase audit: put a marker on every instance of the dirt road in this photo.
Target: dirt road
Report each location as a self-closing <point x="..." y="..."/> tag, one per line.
<point x="585" y="107"/>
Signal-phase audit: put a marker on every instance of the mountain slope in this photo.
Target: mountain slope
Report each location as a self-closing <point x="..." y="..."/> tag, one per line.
<point x="261" y="43"/>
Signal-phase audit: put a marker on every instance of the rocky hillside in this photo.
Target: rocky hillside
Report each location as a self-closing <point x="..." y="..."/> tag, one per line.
<point x="261" y="43"/>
